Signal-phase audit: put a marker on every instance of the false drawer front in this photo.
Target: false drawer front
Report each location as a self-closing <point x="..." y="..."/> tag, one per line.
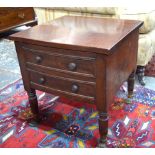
<point x="63" y="84"/>
<point x="10" y="17"/>
<point x="58" y="61"/>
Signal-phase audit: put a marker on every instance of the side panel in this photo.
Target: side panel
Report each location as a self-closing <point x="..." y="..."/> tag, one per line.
<point x="22" y="64"/>
<point x="120" y="64"/>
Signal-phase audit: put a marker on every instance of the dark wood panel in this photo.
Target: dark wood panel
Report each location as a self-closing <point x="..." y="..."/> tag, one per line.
<point x="13" y="17"/>
<point x="61" y="73"/>
<point x="65" y="84"/>
<point x="70" y="96"/>
<point x="85" y="65"/>
<point x="120" y="64"/>
<point x="22" y="64"/>
<point x="57" y="51"/>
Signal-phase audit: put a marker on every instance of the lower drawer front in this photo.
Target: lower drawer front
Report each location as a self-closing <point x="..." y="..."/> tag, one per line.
<point x="63" y="84"/>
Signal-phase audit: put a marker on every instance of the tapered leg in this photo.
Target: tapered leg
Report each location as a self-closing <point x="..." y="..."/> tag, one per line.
<point x="33" y="104"/>
<point x="103" y="128"/>
<point x="102" y="100"/>
<point x="131" y="81"/>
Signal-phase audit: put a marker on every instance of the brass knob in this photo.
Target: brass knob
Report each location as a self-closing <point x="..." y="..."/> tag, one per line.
<point x="41" y="80"/>
<point x="75" y="88"/>
<point x="72" y="66"/>
<point x="38" y="59"/>
<point x="21" y="15"/>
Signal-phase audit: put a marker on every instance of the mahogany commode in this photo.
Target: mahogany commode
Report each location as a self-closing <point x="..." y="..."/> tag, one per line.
<point x="82" y="58"/>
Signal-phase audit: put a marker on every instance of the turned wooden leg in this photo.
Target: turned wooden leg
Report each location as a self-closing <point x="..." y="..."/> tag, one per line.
<point x="131" y="81"/>
<point x="140" y="73"/>
<point x="103" y="100"/>
<point x="103" y="128"/>
<point x="34" y="105"/>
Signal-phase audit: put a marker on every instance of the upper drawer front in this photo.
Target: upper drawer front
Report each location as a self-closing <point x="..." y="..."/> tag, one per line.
<point x="58" y="61"/>
<point x="10" y="17"/>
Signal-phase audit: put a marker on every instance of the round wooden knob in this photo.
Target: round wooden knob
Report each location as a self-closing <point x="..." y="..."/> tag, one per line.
<point x="75" y="88"/>
<point x="41" y="80"/>
<point x="38" y="59"/>
<point x="72" y="66"/>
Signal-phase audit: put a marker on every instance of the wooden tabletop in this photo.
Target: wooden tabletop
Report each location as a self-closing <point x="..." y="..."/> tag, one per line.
<point x="79" y="33"/>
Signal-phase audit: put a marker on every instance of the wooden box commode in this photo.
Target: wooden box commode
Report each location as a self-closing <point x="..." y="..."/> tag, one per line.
<point x="81" y="58"/>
